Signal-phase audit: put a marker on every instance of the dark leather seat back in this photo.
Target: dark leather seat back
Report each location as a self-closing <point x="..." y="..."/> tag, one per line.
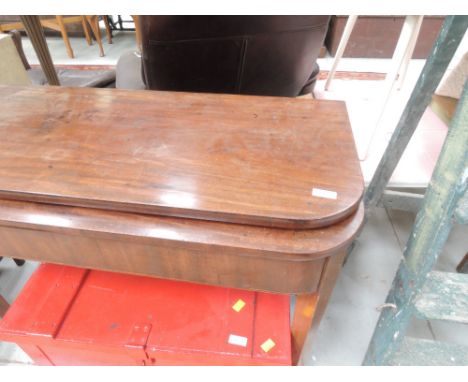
<point x="263" y="55"/>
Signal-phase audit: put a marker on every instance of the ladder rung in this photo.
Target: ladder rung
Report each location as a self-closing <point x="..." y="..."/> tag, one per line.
<point x="444" y="297"/>
<point x="461" y="212"/>
<point x="420" y="352"/>
<point x="398" y="200"/>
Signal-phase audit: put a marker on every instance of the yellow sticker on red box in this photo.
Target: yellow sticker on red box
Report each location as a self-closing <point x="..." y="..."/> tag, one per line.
<point x="239" y="305"/>
<point x="268" y="345"/>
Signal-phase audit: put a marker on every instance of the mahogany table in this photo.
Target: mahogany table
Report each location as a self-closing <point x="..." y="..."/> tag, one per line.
<point x="257" y="193"/>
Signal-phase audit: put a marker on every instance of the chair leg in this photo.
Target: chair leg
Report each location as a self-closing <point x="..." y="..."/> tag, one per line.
<point x="86" y="31"/>
<point x="404" y="42"/>
<point x="463" y="266"/>
<point x="94" y="24"/>
<point x="341" y="48"/>
<point x="19" y="262"/>
<point x="108" y="30"/>
<point x="3" y="306"/>
<point x="304" y="312"/>
<point x="409" y="52"/>
<point x="63" y="31"/>
<point x="136" y="21"/>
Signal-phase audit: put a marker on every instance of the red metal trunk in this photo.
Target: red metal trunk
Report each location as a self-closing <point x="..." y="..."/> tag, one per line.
<point x="72" y="316"/>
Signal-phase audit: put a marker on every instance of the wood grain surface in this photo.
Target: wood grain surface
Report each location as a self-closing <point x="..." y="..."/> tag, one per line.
<point x="246" y="257"/>
<point x="243" y="239"/>
<point x="239" y="159"/>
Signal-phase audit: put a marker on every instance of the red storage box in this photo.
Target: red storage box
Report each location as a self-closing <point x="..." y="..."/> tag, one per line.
<point x="73" y="316"/>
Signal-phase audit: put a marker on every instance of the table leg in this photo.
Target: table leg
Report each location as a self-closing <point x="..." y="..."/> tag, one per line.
<point x="304" y="311"/>
<point x="310" y="308"/>
<point x="3" y="306"/>
<point x="330" y="274"/>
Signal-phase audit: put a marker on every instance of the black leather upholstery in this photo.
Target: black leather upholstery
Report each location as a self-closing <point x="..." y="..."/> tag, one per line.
<point x="262" y="55"/>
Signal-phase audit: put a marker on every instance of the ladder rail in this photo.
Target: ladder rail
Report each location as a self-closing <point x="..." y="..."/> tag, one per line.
<point x="429" y="234"/>
<point x="444" y="48"/>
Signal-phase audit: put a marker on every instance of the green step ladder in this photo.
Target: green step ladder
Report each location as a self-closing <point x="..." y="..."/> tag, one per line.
<point x="417" y="290"/>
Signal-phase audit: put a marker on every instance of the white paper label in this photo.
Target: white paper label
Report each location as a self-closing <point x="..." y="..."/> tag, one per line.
<point x="237" y="340"/>
<point x="319" y="193"/>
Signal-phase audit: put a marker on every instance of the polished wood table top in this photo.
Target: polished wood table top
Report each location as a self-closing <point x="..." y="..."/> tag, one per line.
<point x="265" y="161"/>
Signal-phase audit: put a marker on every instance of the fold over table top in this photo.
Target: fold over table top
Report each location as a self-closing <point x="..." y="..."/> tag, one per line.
<point x="267" y="161"/>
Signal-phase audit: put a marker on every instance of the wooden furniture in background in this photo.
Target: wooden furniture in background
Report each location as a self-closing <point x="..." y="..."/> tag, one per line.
<point x="108" y="29"/>
<point x="6" y="27"/>
<point x="33" y="27"/>
<point x="93" y="21"/>
<point x="59" y="24"/>
<point x="3" y="306"/>
<point x="256" y="193"/>
<point x="136" y="21"/>
<point x="68" y="77"/>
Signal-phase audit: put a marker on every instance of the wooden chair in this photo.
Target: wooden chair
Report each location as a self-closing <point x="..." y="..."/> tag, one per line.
<point x="60" y="22"/>
<point x="93" y="22"/>
<point x="11" y="26"/>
